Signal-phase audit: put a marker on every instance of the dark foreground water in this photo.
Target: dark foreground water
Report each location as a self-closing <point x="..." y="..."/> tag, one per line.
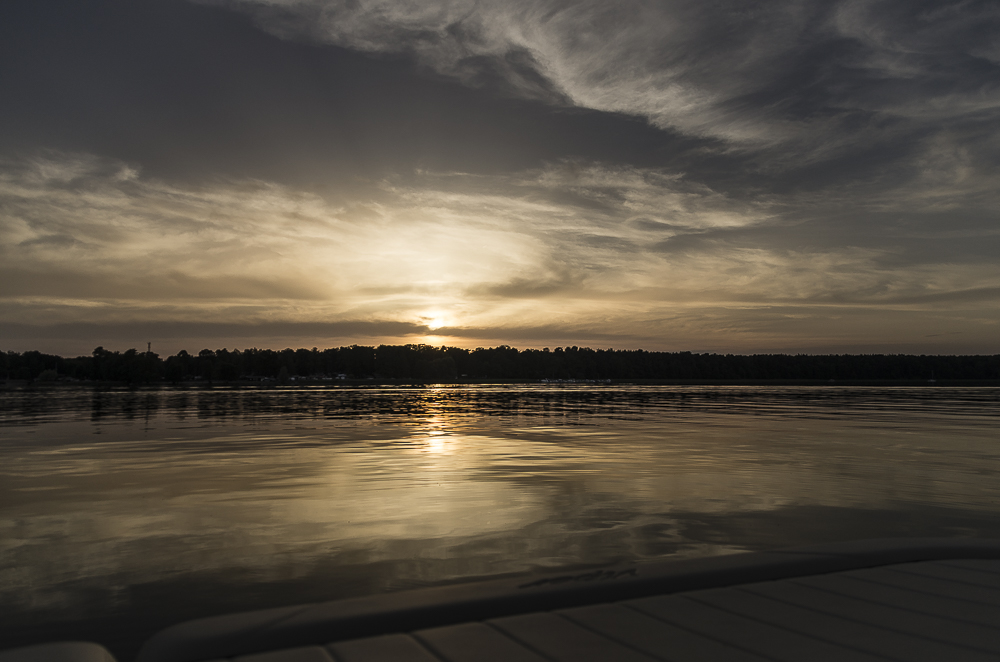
<point x="122" y="512"/>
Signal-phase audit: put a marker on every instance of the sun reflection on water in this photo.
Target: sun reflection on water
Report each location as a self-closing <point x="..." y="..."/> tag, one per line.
<point x="438" y="444"/>
<point x="350" y="491"/>
<point x="438" y="439"/>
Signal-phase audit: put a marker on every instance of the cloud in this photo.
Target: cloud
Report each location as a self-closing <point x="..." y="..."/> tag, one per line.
<point x="217" y="331"/>
<point x="671" y="174"/>
<point x="583" y="250"/>
<point x="824" y="76"/>
<point x="188" y="92"/>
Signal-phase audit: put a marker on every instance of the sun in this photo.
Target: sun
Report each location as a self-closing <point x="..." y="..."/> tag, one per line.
<point x="434" y="321"/>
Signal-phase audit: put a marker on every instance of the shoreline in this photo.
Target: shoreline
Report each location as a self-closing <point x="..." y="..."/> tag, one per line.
<point x="11" y="385"/>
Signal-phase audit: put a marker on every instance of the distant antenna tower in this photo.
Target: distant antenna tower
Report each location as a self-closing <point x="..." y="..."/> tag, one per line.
<point x="149" y="347"/>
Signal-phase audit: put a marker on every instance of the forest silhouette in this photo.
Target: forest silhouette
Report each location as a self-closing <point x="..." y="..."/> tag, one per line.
<point x="427" y="363"/>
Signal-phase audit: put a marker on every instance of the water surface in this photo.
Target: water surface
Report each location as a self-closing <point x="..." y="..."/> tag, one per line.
<point x="122" y="511"/>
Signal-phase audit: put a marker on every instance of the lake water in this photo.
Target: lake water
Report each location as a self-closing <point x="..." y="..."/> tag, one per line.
<point x="122" y="512"/>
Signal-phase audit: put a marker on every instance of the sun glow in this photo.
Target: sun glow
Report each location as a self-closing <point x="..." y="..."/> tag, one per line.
<point x="434" y="321"/>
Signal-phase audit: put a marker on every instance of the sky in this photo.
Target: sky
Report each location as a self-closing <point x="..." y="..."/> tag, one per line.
<point x="802" y="176"/>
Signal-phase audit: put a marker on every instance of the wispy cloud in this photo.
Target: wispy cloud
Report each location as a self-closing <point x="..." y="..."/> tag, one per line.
<point x="574" y="250"/>
<point x="817" y="74"/>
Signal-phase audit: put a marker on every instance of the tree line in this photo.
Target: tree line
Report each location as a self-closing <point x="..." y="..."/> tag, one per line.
<point x="444" y="364"/>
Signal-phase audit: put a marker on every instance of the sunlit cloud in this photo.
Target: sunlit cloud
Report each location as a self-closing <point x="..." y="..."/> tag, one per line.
<point x="569" y="253"/>
<point x="727" y="176"/>
<point x="818" y="74"/>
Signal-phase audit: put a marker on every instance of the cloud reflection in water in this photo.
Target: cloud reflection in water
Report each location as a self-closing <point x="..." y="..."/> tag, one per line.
<point x="209" y="501"/>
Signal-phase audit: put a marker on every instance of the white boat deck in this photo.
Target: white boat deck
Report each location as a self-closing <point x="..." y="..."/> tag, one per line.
<point x="905" y="600"/>
<point x="935" y="611"/>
